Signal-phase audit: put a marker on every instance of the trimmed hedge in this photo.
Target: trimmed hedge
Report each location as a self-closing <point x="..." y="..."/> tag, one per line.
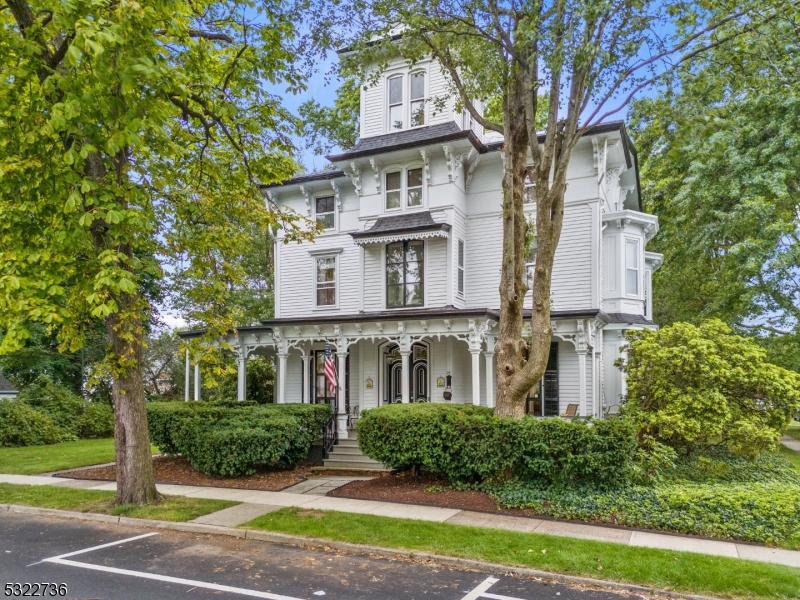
<point x="236" y="439"/>
<point x="468" y="443"/>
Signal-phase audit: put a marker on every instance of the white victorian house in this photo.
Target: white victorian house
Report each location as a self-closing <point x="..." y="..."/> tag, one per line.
<point x="403" y="283"/>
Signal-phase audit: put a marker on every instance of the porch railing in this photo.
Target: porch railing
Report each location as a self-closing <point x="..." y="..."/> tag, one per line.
<point x="330" y="435"/>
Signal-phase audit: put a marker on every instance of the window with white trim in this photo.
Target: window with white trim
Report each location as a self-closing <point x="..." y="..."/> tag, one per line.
<point x="405" y="274"/>
<point x="325" y="211"/>
<point x="394" y="188"/>
<point x="325" y="280"/>
<point x="632" y="267"/>
<point x="460" y="267"/>
<point x="395" y="102"/>
<point x="416" y="86"/>
<point x="414" y="187"/>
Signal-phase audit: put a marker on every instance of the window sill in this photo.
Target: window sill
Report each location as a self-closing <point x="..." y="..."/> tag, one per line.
<point x="324" y="308"/>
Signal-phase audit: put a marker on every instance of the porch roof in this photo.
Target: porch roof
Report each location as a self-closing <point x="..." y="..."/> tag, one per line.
<point x="447" y="312"/>
<point x="410" y="226"/>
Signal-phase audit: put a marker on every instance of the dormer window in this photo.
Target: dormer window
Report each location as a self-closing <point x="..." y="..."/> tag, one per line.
<point x="417" y="97"/>
<point x="396" y="102"/>
<point x="325" y="212"/>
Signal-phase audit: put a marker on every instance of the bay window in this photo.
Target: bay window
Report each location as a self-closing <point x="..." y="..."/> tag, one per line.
<point x="326" y="280"/>
<point x="632" y="267"/>
<point x="393" y="190"/>
<point x="414" y="187"/>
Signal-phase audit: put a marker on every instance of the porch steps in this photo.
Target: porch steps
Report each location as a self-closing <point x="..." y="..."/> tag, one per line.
<point x="346" y="458"/>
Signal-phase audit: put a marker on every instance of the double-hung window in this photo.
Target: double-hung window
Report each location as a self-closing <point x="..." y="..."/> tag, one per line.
<point x="402" y="185"/>
<point x="405" y="268"/>
<point x="632" y="267"/>
<point x="325" y="212"/>
<point x="326" y="280"/>
<point x="396" y="102"/>
<point x="417" y="98"/>
<point x="461" y="268"/>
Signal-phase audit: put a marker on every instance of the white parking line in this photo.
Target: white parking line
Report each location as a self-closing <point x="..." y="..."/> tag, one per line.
<point x="482" y="591"/>
<point x="60" y="560"/>
<point x="168" y="579"/>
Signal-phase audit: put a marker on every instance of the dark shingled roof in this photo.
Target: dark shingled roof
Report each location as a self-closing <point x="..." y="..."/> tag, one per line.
<point x="5" y="385"/>
<point x="409" y="138"/>
<point x="406" y="223"/>
<point x="629" y="318"/>
<point x="323" y="176"/>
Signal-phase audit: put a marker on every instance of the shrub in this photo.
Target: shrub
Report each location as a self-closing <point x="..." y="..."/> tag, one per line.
<point x="21" y="425"/>
<point x="56" y="401"/>
<point x="467" y="443"/>
<point x="694" y="388"/>
<point x="232" y="439"/>
<point x="96" y="421"/>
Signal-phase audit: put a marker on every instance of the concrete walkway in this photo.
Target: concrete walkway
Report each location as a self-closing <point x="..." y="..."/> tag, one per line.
<point x="791" y="443"/>
<point x="256" y="503"/>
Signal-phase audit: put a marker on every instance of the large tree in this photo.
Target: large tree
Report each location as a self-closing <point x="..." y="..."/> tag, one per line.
<point x="576" y="61"/>
<point x="132" y="141"/>
<point x="720" y="150"/>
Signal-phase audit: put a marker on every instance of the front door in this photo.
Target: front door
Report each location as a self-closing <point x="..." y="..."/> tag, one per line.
<point x="321" y="391"/>
<point x="418" y="375"/>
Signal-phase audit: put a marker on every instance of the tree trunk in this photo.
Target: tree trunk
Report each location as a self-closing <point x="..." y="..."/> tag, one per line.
<point x="510" y="348"/>
<point x="134" y="465"/>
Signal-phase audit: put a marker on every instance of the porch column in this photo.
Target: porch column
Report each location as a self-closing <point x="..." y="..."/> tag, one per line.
<point x="582" y="382"/>
<point x="282" y="377"/>
<point x="406" y="388"/>
<point x="197" y="379"/>
<point x="307" y="356"/>
<point x="341" y="408"/>
<point x="241" y="381"/>
<point x="188" y="378"/>
<point x="476" y="375"/>
<point x="489" y="378"/>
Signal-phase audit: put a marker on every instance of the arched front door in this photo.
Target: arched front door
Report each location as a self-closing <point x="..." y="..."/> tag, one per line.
<point x="418" y="374"/>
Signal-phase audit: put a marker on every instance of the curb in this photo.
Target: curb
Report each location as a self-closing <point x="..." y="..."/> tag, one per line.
<point x="309" y="542"/>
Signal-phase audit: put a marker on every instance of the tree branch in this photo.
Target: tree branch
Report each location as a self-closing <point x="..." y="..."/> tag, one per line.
<point x="199" y="33"/>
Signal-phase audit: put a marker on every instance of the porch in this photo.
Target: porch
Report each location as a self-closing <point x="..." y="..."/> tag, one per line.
<point x="427" y="355"/>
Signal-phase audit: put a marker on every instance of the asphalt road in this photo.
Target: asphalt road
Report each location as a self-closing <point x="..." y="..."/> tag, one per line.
<point x="167" y="565"/>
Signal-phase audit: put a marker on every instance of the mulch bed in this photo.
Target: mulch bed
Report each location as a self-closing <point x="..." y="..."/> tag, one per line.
<point x="425" y="489"/>
<point x="177" y="470"/>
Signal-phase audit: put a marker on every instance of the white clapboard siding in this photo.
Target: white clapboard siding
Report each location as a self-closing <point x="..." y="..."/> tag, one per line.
<point x="572" y="269"/>
<point x="458" y="232"/>
<point x="374" y="109"/>
<point x="484" y="248"/>
<point x="294" y="377"/>
<point x="436" y="271"/>
<point x="373" y="277"/>
<point x="438" y="87"/>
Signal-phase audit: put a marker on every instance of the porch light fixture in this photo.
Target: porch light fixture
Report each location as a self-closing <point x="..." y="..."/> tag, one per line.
<point x="448" y="392"/>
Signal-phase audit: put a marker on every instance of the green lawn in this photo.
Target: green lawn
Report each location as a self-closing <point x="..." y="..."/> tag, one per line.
<point x="790" y="455"/>
<point x="645" y="566"/>
<point x="173" y="508"/>
<point x="30" y="460"/>
<point x="794" y="430"/>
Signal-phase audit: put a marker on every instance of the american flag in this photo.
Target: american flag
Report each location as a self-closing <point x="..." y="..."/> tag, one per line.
<point x="330" y="369"/>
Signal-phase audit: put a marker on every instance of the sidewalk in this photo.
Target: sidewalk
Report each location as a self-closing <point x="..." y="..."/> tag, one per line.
<point x="255" y="503"/>
<point x="791" y="443"/>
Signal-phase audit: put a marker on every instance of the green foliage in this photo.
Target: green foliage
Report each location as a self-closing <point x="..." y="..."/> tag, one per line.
<point x="96" y="421"/>
<point x="694" y="388"/>
<point x="722" y="468"/>
<point x="327" y="128"/>
<point x="21" y="425"/>
<point x="260" y="381"/>
<point x="468" y="443"/>
<point x="720" y="157"/>
<point x="75" y="417"/>
<point x="233" y="439"/>
<point x="757" y="512"/>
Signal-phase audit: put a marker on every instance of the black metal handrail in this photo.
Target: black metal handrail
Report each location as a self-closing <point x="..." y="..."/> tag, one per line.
<point x="330" y="436"/>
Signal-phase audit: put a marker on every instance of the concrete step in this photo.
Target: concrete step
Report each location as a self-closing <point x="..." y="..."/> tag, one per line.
<point x="351" y="472"/>
<point x="348" y="442"/>
<point x="354" y="450"/>
<point x="352" y="464"/>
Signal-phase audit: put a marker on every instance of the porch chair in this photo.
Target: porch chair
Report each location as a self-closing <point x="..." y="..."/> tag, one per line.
<point x="572" y="411"/>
